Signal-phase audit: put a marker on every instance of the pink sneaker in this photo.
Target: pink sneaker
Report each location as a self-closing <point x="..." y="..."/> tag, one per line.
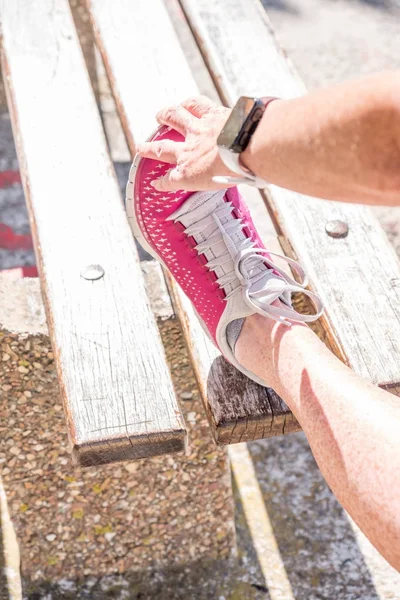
<point x="208" y="242"/>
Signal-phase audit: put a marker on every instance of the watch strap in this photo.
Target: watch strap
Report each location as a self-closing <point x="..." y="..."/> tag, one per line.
<point x="232" y="161"/>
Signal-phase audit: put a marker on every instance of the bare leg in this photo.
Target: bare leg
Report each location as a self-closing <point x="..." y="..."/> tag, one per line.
<point x="352" y="426"/>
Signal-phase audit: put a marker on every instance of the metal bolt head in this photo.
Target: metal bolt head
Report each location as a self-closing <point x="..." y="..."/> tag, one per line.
<point x="337" y="229"/>
<point x="92" y="272"/>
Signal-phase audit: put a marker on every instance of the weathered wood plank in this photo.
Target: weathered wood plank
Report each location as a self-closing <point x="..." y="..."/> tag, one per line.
<point x="159" y="74"/>
<point x="115" y="383"/>
<point x="358" y="276"/>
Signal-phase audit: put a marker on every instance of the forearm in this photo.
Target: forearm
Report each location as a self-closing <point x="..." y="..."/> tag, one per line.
<point x="352" y="426"/>
<point x="340" y="143"/>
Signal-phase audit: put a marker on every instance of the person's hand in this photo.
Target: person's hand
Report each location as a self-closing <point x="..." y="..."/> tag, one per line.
<point x="196" y="159"/>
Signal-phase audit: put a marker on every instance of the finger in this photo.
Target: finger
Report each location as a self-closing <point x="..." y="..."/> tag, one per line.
<point x="199" y="105"/>
<point x="170" y="182"/>
<point x="178" y="118"/>
<point x="165" y="150"/>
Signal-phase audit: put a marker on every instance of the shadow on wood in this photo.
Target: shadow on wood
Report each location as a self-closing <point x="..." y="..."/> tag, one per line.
<point x="263" y="414"/>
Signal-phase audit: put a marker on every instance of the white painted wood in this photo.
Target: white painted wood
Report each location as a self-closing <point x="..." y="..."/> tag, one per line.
<point x="140" y="38"/>
<point x="114" y="380"/>
<point x="155" y="74"/>
<point x="157" y="290"/>
<point x="358" y="277"/>
<point x="119" y="150"/>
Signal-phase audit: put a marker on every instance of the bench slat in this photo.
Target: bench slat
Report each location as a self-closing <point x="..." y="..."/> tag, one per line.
<point x="147" y="69"/>
<point x="357" y="277"/>
<point x="116" y="386"/>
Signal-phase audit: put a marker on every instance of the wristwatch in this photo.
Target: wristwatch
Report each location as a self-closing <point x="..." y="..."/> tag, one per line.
<point x="236" y="135"/>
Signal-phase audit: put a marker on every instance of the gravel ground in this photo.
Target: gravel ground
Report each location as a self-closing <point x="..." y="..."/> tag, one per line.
<point x="74" y="525"/>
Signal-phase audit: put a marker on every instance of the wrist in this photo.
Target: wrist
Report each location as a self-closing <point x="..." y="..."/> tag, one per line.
<point x="255" y="152"/>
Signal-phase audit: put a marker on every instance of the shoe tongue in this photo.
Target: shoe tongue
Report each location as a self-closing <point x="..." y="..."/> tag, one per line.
<point x="268" y="282"/>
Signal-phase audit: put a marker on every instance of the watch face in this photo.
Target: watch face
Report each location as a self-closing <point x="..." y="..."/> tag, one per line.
<point x="233" y="135"/>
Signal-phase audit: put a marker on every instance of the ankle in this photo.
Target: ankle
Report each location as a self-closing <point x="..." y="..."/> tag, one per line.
<point x="262" y="347"/>
<point x="254" y="348"/>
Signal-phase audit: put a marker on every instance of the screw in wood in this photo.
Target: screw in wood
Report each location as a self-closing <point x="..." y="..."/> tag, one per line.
<point x="92" y="272"/>
<point x="337" y="229"/>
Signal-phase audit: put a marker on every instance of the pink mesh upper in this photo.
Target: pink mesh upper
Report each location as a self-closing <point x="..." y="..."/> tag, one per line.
<point x="174" y="248"/>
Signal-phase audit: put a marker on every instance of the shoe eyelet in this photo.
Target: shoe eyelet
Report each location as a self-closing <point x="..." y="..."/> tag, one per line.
<point x="179" y="227"/>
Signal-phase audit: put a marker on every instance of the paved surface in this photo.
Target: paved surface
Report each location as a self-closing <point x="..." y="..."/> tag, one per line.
<point x="330" y="41"/>
<point x="13" y="212"/>
<point x="333" y="40"/>
<point x="324" y="555"/>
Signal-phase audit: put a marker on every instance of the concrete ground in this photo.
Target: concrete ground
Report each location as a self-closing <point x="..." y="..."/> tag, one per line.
<point x="330" y="41"/>
<point x="321" y="554"/>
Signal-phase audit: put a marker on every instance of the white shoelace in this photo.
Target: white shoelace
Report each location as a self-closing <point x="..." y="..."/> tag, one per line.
<point x="250" y="264"/>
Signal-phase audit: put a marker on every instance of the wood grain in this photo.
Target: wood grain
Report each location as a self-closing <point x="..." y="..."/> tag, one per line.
<point x="238" y="409"/>
<point x="357" y="277"/>
<point x="115" y="383"/>
<point x="158" y="74"/>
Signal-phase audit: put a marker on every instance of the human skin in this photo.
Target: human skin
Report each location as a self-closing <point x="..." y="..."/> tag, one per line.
<point x="341" y="143"/>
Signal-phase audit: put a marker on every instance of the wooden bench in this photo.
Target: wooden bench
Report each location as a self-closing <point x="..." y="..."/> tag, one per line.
<point x="118" y="396"/>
